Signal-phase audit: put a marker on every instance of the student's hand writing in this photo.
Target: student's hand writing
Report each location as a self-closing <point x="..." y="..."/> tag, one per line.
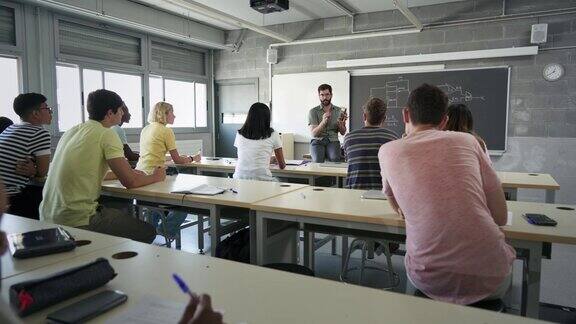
<point x="26" y="167"/>
<point x="199" y="311"/>
<point x="159" y="173"/>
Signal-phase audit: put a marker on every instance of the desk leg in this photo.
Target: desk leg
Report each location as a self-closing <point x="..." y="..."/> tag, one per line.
<point x="344" y="250"/>
<point x="312" y="180"/>
<point x="309" y="250"/>
<point x="530" y="306"/>
<point x="512" y="193"/>
<point x="214" y="229"/>
<point x="550" y="196"/>
<point x="253" y="238"/>
<point x="261" y="236"/>
<point x="201" y="234"/>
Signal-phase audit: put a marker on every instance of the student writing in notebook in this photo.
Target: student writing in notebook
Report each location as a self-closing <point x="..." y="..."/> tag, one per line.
<point x="256" y="141"/>
<point x="444" y="186"/>
<point x="156" y="139"/>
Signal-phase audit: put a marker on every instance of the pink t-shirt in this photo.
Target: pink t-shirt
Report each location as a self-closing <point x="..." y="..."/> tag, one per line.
<point x="455" y="250"/>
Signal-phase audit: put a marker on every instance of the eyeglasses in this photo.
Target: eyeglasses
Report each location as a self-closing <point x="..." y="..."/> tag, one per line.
<point x="48" y="108"/>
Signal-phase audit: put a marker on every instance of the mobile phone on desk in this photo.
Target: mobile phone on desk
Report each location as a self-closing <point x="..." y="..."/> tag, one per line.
<point x="540" y="220"/>
<point x="88" y="308"/>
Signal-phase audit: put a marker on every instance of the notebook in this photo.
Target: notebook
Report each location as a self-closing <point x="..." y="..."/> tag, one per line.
<point x="334" y="165"/>
<point x="374" y="194"/>
<point x="294" y="162"/>
<point x="204" y="189"/>
<point x="42" y="242"/>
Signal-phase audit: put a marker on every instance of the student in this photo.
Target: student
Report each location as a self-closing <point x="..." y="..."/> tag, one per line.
<point x="325" y="122"/>
<point x="361" y="147"/>
<point x="25" y="154"/>
<point x="460" y="120"/>
<point x="4" y="123"/>
<point x="82" y="158"/>
<point x="255" y="143"/>
<point x="155" y="141"/>
<point x="128" y="153"/>
<point x="443" y="185"/>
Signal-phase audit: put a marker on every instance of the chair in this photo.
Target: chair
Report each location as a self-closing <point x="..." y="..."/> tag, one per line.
<point x="495" y="305"/>
<point x="365" y="245"/>
<point x="291" y="267"/>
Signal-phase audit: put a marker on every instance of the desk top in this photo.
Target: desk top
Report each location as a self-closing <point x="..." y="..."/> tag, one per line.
<point x="508" y="179"/>
<point x="249" y="191"/>
<point x="17" y="224"/>
<point x="527" y="180"/>
<point x="256" y="295"/>
<point x="347" y="205"/>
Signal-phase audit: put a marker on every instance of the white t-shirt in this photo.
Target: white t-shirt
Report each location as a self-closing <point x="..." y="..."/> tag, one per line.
<point x="254" y="157"/>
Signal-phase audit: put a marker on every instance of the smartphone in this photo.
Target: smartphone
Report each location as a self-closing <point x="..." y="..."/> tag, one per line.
<point x="540" y="220"/>
<point x="88" y="308"/>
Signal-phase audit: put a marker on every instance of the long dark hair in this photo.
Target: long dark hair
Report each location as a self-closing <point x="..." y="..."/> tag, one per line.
<point x="257" y="124"/>
<point x="460" y="119"/>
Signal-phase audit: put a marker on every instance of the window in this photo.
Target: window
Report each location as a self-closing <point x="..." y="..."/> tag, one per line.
<point x="7" y="26"/>
<point x="10" y="85"/>
<point x="187" y="98"/>
<point x="71" y="109"/>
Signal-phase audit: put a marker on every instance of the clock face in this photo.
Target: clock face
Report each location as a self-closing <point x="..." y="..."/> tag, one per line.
<point x="553" y="72"/>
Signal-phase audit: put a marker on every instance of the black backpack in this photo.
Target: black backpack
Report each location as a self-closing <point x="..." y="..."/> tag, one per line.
<point x="236" y="247"/>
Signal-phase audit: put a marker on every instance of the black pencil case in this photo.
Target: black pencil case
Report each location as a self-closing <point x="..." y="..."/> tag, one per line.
<point x="30" y="296"/>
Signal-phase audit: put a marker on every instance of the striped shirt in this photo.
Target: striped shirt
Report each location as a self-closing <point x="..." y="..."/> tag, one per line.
<point x="361" y="148"/>
<point x="17" y="143"/>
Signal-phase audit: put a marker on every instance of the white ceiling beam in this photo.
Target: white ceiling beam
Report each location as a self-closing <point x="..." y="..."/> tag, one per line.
<point x="436" y="57"/>
<point x="340" y="7"/>
<point x="347" y="37"/>
<point x="408" y="14"/>
<point x="221" y="16"/>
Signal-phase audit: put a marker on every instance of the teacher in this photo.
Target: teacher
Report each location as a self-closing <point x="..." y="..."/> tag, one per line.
<point x="325" y="122"/>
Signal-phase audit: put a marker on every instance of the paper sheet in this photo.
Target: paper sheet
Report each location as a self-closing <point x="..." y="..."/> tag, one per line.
<point x="510" y="216"/>
<point x="151" y="310"/>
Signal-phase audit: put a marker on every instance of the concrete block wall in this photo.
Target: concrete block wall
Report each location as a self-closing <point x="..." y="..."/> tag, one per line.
<point x="542" y="125"/>
<point x="542" y="115"/>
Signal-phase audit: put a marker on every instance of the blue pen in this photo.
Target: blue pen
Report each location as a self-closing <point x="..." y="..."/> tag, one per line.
<point x="183" y="285"/>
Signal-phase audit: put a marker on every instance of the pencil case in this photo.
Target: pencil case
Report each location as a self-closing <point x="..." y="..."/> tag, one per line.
<point x="30" y="296"/>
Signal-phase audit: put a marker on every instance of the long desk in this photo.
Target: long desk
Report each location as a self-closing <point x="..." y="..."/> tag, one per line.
<point x="511" y="181"/>
<point x="344" y="211"/>
<point x="248" y="192"/>
<point x="255" y="295"/>
<point x="17" y="224"/>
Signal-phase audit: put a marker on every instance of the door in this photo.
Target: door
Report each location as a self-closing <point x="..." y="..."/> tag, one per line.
<point x="233" y="98"/>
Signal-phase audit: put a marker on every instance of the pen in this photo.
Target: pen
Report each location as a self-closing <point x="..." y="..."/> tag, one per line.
<point x="183" y="285"/>
<point x="233" y="190"/>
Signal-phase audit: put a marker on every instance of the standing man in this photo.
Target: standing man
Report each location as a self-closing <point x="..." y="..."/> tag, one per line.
<point x="325" y="122"/>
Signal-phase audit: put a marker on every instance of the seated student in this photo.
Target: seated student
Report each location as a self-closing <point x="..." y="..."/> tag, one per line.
<point x="25" y="154"/>
<point x="82" y="158"/>
<point x="155" y="141"/>
<point x="128" y="153"/>
<point x="361" y="147"/>
<point x="4" y="123"/>
<point x="255" y="142"/>
<point x="460" y="120"/>
<point x="443" y="185"/>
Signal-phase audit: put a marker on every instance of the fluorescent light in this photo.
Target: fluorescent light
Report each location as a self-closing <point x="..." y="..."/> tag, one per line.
<point x="436" y="57"/>
<point x="346" y="37"/>
<point x="398" y="69"/>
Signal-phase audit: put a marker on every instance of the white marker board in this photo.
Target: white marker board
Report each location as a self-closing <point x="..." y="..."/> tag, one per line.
<point x="293" y="95"/>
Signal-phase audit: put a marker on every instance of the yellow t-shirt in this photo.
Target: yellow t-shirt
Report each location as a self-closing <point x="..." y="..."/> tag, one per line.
<point x="155" y="141"/>
<point x="75" y="176"/>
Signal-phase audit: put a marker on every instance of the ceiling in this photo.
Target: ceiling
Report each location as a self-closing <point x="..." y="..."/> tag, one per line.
<point x="300" y="10"/>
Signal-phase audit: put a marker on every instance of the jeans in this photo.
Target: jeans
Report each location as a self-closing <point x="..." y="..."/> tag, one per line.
<point x="319" y="148"/>
<point x="174" y="220"/>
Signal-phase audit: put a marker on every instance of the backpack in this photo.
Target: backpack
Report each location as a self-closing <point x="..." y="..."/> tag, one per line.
<point x="236" y="247"/>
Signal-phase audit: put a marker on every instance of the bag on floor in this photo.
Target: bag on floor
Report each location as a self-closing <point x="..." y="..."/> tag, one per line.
<point x="236" y="247"/>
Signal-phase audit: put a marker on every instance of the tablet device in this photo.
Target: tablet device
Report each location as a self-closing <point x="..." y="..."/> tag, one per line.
<point x="42" y="242"/>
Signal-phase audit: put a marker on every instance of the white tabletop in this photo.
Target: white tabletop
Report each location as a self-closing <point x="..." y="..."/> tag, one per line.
<point x="250" y="294"/>
<point x="16" y="224"/>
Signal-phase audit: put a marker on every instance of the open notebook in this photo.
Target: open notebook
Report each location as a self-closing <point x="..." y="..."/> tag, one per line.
<point x="295" y="162"/>
<point x="203" y="189"/>
<point x="374" y="194"/>
<point x="334" y="165"/>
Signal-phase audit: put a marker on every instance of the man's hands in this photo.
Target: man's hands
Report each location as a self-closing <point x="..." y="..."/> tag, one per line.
<point x="199" y="311"/>
<point x="26" y="168"/>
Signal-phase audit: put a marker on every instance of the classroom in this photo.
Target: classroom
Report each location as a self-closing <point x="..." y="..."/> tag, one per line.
<point x="287" y="161"/>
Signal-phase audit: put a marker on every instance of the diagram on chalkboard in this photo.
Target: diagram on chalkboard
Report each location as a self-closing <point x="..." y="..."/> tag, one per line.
<point x="396" y="94"/>
<point x="457" y="95"/>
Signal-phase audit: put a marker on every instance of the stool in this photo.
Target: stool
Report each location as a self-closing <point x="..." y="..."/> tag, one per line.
<point x="363" y="245"/>
<point x="291" y="267"/>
